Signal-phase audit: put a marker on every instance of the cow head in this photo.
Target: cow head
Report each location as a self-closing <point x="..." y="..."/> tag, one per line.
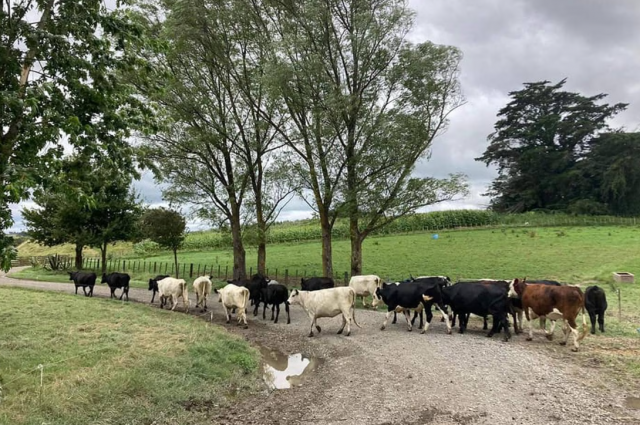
<point x="104" y="278"/>
<point x="153" y="285"/>
<point x="72" y="275"/>
<point x="294" y="298"/>
<point x="377" y="295"/>
<point x="216" y="291"/>
<point x="516" y="287"/>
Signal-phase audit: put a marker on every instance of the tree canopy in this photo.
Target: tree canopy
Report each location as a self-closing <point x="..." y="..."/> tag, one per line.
<point x="539" y="139"/>
<point x="166" y="228"/>
<point x="60" y="85"/>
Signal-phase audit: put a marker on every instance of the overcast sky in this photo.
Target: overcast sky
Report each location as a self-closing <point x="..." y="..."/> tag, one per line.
<point x="593" y="43"/>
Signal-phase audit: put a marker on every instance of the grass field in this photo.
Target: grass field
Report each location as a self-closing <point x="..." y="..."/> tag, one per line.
<point x="568" y="254"/>
<point x="112" y="363"/>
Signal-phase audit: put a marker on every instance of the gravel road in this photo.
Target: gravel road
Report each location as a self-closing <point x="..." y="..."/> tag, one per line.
<point x="397" y="377"/>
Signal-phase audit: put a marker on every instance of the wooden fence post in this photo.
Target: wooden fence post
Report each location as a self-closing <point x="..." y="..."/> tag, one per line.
<point x="199" y="269"/>
<point x="190" y="270"/>
<point x="276" y="273"/>
<point x="220" y="273"/>
<point x="184" y="266"/>
<point x="155" y="266"/>
<point x="286" y="277"/>
<point x="124" y="265"/>
<point x="226" y="272"/>
<point x="346" y="278"/>
<point x="619" y="306"/>
<point x="166" y="265"/>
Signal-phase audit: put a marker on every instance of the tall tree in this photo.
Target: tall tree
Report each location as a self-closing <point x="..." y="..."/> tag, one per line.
<point x="610" y="176"/>
<point x="384" y="100"/>
<point x="166" y="228"/>
<point x="539" y="137"/>
<point x="217" y="151"/>
<point x="64" y="215"/>
<point x="59" y="79"/>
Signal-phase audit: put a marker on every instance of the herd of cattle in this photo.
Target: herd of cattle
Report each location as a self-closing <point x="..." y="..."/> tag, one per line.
<point x="319" y="297"/>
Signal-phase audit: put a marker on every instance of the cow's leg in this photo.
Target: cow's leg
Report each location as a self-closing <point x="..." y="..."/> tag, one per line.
<point x="205" y="302"/>
<point x="153" y="296"/>
<point x="76" y="289"/>
<point x="464" y="320"/>
<point x="453" y="318"/>
<point x="347" y="317"/>
<point x="495" y="327"/>
<point x="395" y="318"/>
<point x="565" y="331"/>
<point x="264" y="312"/>
<point x="505" y="324"/>
<point x="485" y="324"/>
<point x="198" y="301"/>
<point x="427" y="311"/>
<point x="552" y="328"/>
<point x="174" y="301"/>
<point x="592" y="318"/>
<point x="277" y="308"/>
<point x="364" y="301"/>
<point x="313" y="322"/>
<point x="574" y="330"/>
<point x="516" y="328"/>
<point x="520" y="321"/>
<point x="127" y="292"/>
<point x="344" y="322"/>
<point x="530" y="322"/>
<point x="185" y="303"/>
<point x="244" y="318"/>
<point x="273" y="308"/>
<point x="386" y="317"/>
<point x="407" y="317"/>
<point x="600" y="321"/>
<point x="286" y="308"/>
<point x="543" y="322"/>
<point x="226" y="312"/>
<point x="445" y="317"/>
<point x="255" y="309"/>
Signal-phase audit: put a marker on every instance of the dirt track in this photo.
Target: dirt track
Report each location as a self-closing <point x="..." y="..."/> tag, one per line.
<point x="396" y="377"/>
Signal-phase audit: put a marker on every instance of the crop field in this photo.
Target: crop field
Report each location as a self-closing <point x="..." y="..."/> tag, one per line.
<point x="107" y="362"/>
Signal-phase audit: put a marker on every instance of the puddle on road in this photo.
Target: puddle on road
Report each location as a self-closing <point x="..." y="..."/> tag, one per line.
<point x="281" y="371"/>
<point x="632" y="403"/>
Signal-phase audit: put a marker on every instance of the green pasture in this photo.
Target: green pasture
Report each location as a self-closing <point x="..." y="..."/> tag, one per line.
<point x="113" y="363"/>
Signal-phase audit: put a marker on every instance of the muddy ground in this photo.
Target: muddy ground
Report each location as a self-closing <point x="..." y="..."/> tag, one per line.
<point x="400" y="377"/>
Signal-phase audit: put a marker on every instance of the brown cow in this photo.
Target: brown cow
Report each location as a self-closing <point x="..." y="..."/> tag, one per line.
<point x="554" y="302"/>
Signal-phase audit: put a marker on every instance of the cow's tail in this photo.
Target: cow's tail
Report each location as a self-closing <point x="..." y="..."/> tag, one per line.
<point x="353" y="307"/>
<point x="246" y="300"/>
<point x="585" y="327"/>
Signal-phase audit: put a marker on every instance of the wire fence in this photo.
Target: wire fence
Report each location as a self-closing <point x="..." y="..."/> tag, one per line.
<point x="137" y="267"/>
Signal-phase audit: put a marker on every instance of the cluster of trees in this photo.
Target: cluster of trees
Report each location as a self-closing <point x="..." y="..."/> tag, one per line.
<point x="236" y="105"/>
<point x="555" y="152"/>
<point x="325" y="99"/>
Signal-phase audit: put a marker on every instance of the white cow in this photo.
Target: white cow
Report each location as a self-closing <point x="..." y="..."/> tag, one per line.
<point x="327" y="303"/>
<point x="202" y="288"/>
<point x="173" y="288"/>
<point x="232" y="296"/>
<point x="365" y="286"/>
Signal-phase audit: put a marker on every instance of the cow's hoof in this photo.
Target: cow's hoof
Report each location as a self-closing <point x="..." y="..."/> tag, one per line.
<point x="340" y="331"/>
<point x="347" y="334"/>
<point x="246" y="326"/>
<point x="288" y="322"/>
<point x="549" y="337"/>
<point x="422" y="332"/>
<point x="593" y="332"/>
<point x="409" y="330"/>
<point x="529" y="338"/>
<point x="489" y="335"/>
<point x="574" y="349"/>
<point x="310" y="334"/>
<point x="382" y="328"/>
<point x="449" y="331"/>
<point x="228" y="322"/>
<point x="460" y="331"/>
<point x="318" y="329"/>
<point x="562" y="343"/>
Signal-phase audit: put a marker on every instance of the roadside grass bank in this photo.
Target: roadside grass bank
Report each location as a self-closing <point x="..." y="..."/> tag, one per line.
<point x="107" y="362"/>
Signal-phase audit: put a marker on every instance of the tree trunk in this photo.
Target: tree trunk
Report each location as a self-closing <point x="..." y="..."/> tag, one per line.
<point x="262" y="258"/>
<point x="103" y="252"/>
<point x="327" y="256"/>
<point x="262" y="234"/>
<point x="356" y="247"/>
<point x="79" y="247"/>
<point x="175" y="260"/>
<point x="239" y="255"/>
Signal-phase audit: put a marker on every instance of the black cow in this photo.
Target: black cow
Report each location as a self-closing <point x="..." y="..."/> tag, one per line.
<point x="153" y="285"/>
<point x="83" y="279"/>
<point x="255" y="286"/>
<point x="515" y="305"/>
<point x="410" y="295"/>
<point x="480" y="299"/>
<point x="275" y="294"/>
<point x="595" y="301"/>
<point x="443" y="281"/>
<point x="117" y="280"/>
<point x="316" y="283"/>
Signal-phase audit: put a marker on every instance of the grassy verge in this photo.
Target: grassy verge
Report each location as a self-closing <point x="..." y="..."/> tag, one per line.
<point x="112" y="363"/>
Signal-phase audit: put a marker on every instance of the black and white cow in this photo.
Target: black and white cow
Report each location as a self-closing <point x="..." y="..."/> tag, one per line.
<point x="85" y="280"/>
<point x="409" y="296"/>
<point x="595" y="301"/>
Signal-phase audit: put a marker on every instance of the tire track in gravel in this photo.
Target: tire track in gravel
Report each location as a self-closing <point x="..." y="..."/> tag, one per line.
<point x="393" y="376"/>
